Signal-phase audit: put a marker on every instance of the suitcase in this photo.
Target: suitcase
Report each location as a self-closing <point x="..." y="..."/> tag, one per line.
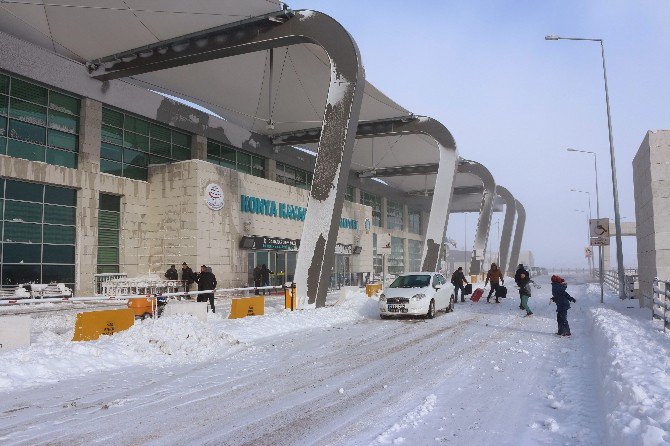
<point x="468" y="289"/>
<point x="477" y="295"/>
<point x="501" y="291"/>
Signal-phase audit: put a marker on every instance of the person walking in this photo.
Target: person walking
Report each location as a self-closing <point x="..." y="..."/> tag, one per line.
<point x="458" y="281"/>
<point x="524" y="292"/>
<point x="562" y="299"/>
<point x="206" y="282"/>
<point x="265" y="276"/>
<point x="496" y="278"/>
<point x="187" y="276"/>
<point x="517" y="276"/>
<point x="257" y="277"/>
<point x="171" y="273"/>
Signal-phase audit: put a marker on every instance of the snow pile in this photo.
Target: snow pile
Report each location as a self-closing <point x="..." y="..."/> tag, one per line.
<point x="178" y="339"/>
<point x="635" y="363"/>
<point x="411" y="419"/>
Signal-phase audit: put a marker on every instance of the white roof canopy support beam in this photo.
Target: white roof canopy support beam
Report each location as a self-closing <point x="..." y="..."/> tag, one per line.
<point x="508" y="226"/>
<point x="485" y="212"/>
<point x="336" y="142"/>
<point x="518" y="234"/>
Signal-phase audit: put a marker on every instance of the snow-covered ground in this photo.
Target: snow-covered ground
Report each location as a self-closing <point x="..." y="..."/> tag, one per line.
<point x="340" y="375"/>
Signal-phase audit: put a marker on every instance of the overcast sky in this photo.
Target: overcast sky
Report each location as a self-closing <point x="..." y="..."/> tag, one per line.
<point x="515" y="102"/>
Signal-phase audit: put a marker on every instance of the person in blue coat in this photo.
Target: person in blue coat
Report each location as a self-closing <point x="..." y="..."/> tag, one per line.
<point x="562" y="299"/>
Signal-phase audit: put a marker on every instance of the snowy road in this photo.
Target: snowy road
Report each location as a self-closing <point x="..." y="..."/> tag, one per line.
<point x="479" y="375"/>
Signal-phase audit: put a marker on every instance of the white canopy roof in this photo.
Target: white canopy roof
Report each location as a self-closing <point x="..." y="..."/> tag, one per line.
<point x="236" y="88"/>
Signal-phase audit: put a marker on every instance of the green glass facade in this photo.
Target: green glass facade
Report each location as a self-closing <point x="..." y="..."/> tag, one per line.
<point x="397" y="257"/>
<point x="414" y="254"/>
<point x="129" y="144"/>
<point x="414" y="222"/>
<point x="394" y="215"/>
<point x="38" y="123"/>
<point x="38" y="228"/>
<point x="375" y="203"/>
<point x="228" y="156"/>
<point x="109" y="227"/>
<point x="294" y="176"/>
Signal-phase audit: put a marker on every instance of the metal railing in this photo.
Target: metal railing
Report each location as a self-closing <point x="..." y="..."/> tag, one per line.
<point x="611" y="280"/>
<point x="660" y="306"/>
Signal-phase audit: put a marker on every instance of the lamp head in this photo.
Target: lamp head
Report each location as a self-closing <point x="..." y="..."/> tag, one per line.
<point x="551" y="37"/>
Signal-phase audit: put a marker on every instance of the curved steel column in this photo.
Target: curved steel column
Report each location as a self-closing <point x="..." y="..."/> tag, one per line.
<point x="485" y="213"/>
<point x="345" y="96"/>
<point x="518" y="234"/>
<point x="508" y="226"/>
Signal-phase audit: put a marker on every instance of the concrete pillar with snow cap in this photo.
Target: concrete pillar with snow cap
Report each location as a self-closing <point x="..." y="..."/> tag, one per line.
<point x="518" y="235"/>
<point x="508" y="227"/>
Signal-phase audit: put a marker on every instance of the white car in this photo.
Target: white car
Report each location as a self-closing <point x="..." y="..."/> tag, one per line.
<point x="417" y="294"/>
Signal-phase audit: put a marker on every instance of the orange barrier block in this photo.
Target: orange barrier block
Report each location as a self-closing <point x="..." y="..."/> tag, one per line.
<point x="289" y="298"/>
<point x="143" y="307"/>
<point x="90" y="325"/>
<point x="247" y="306"/>
<point x="373" y="288"/>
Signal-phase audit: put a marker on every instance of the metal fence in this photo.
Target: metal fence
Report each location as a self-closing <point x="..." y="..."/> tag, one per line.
<point x="611" y="280"/>
<point x="660" y="307"/>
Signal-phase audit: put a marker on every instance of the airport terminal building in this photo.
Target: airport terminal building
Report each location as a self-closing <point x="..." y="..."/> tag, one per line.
<point x="104" y="177"/>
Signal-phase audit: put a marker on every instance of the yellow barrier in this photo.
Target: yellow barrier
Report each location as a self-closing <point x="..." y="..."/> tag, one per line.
<point x="247" y="306"/>
<point x="289" y="298"/>
<point x="474" y="279"/>
<point x="90" y="325"/>
<point x="373" y="288"/>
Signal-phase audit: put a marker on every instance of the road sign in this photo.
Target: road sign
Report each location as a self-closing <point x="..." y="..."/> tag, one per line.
<point x="588" y="252"/>
<point x="599" y="231"/>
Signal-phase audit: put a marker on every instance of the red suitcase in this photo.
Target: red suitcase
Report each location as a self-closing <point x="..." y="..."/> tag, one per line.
<point x="479" y="292"/>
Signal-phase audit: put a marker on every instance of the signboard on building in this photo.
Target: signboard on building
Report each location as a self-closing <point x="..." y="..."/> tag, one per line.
<point x="269" y="243"/>
<point x="599" y="231"/>
<point x="261" y="206"/>
<point x="214" y="197"/>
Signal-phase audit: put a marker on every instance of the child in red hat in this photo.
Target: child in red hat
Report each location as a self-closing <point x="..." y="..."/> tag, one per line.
<point x="562" y="299"/>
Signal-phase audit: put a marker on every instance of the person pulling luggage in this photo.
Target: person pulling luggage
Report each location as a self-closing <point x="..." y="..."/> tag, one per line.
<point x="496" y="278"/>
<point x="458" y="281"/>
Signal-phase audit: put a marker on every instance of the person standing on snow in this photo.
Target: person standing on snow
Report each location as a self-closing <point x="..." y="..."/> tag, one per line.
<point x="524" y="292"/>
<point x="257" y="277"/>
<point x="517" y="276"/>
<point x="458" y="281"/>
<point x="496" y="278"/>
<point x="206" y="282"/>
<point x="187" y="276"/>
<point x="562" y="299"/>
<point x="171" y="273"/>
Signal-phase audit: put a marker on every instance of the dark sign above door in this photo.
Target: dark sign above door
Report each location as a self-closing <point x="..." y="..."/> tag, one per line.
<point x="256" y="242"/>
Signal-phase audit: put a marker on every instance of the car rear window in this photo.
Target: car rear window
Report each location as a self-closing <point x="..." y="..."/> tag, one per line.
<point x="411" y="281"/>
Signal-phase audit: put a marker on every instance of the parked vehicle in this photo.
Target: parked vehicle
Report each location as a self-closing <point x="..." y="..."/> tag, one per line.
<point x="417" y="294"/>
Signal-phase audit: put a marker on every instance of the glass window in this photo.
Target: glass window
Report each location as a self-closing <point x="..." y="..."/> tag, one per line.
<point x="414" y="222"/>
<point x="131" y="143"/>
<point x="38" y="226"/>
<point x="227" y="156"/>
<point x="41" y="118"/>
<point x="394" y="215"/>
<point x="414" y="254"/>
<point x="293" y="176"/>
<point x="350" y="194"/>
<point x="396" y="264"/>
<point x="375" y="202"/>
<point x="109" y="223"/>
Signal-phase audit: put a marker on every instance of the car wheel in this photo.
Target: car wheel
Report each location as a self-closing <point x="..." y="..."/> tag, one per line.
<point x="450" y="308"/>
<point x="431" y="310"/>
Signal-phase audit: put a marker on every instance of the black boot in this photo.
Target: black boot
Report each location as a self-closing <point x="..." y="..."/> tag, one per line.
<point x="497" y="301"/>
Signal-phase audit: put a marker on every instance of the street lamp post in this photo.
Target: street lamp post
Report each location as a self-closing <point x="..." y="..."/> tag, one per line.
<point x="615" y="190"/>
<point x="601" y="263"/>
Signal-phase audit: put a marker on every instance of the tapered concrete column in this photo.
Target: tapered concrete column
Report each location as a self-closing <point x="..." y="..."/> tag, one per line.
<point x="485" y="212"/>
<point x="270" y="169"/>
<point x="508" y="227"/>
<point x="518" y="234"/>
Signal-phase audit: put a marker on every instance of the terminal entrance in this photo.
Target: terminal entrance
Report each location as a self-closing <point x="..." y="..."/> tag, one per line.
<point x="281" y="265"/>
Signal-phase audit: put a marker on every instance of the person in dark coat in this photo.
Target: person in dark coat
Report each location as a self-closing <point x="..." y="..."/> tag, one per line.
<point x="517" y="276"/>
<point x="171" y="273"/>
<point x="257" y="276"/>
<point x="187" y="276"/>
<point x="562" y="299"/>
<point x="206" y="282"/>
<point x="265" y="276"/>
<point x="458" y="281"/>
<point x="494" y="276"/>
